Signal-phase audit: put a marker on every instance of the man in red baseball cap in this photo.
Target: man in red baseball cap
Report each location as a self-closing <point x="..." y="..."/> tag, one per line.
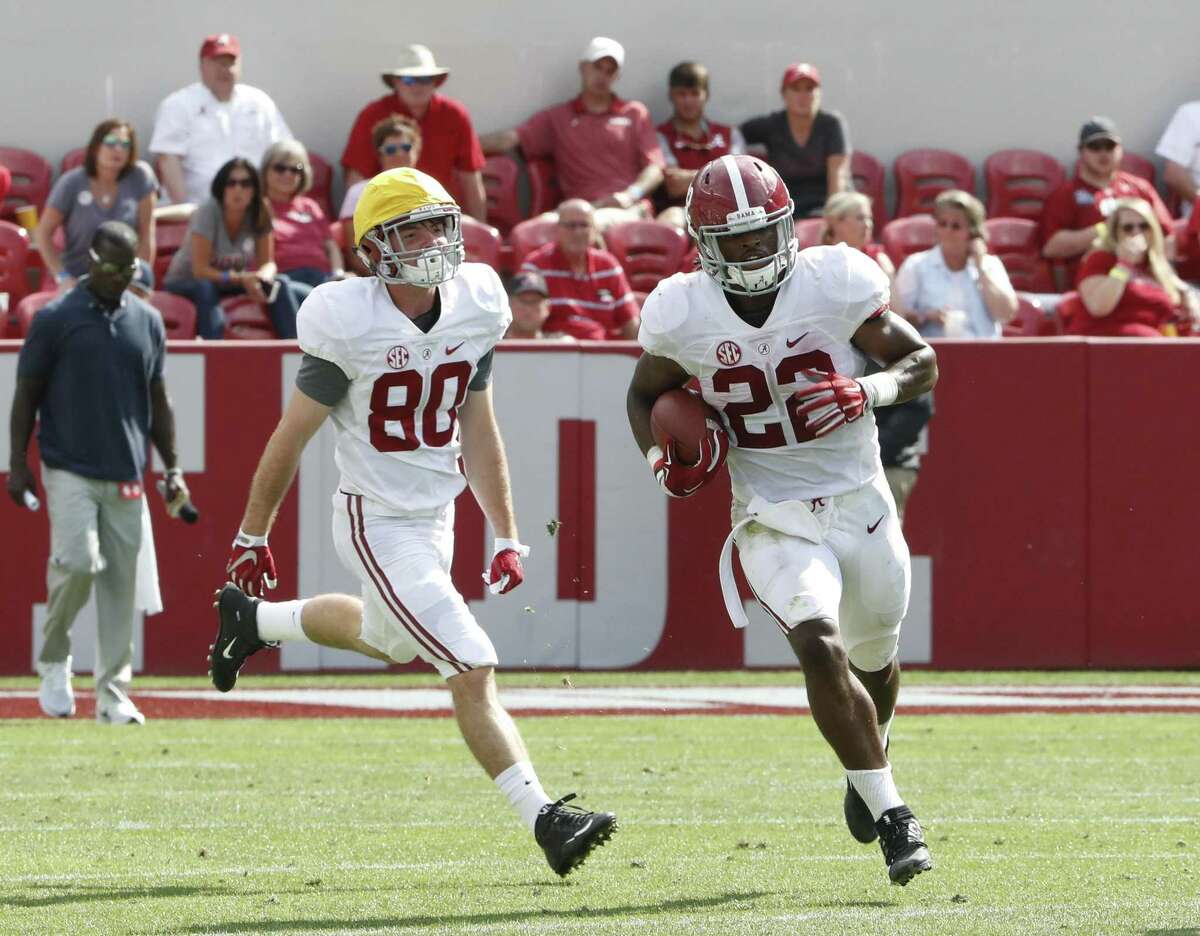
<point x="201" y="127"/>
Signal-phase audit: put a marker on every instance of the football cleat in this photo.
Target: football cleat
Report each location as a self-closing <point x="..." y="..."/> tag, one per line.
<point x="55" y="695"/>
<point x="859" y="820"/>
<point x="903" y="845"/>
<point x="237" y="637"/>
<point x="567" y="834"/>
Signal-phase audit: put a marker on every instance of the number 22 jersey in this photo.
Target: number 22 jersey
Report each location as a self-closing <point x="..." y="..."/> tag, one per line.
<point x="749" y="374"/>
<point x="397" y="425"/>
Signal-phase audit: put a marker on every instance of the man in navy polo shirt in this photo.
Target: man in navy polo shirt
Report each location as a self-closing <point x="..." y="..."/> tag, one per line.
<point x="92" y="368"/>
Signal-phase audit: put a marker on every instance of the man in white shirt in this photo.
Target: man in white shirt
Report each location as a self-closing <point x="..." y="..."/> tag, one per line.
<point x="1180" y="149"/>
<point x="201" y="127"/>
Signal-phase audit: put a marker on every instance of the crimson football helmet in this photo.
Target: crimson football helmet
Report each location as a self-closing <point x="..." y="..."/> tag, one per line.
<point x="733" y="195"/>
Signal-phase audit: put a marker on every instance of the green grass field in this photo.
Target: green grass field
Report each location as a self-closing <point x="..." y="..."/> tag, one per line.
<point x="1064" y="824"/>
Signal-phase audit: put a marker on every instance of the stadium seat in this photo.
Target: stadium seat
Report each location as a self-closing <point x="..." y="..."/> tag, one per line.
<point x="1187" y="260"/>
<point x="30" y="180"/>
<point x="640" y="298"/>
<point x="904" y="236"/>
<point x="246" y="320"/>
<point x="26" y="309"/>
<point x="178" y="314"/>
<point x="1135" y="165"/>
<point x="482" y="242"/>
<point x="647" y="251"/>
<point x="500" y="174"/>
<point x="14" y="259"/>
<point x="168" y="238"/>
<point x="808" y="231"/>
<point x="322" y="183"/>
<point x="1019" y="181"/>
<point x="528" y="236"/>
<point x="869" y="177"/>
<point x="1032" y="320"/>
<point x="544" y="193"/>
<point x="73" y="160"/>
<point x="923" y="174"/>
<point x="1015" y="241"/>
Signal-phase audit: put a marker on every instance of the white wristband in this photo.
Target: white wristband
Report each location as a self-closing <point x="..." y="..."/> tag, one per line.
<point x="881" y="389"/>
<point x="245" y="539"/>
<point x="634" y="192"/>
<point x="653" y="457"/>
<point x="499" y="544"/>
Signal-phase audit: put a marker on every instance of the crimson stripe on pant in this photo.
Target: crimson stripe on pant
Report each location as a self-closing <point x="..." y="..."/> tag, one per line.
<point x="358" y="536"/>
<point x="766" y="607"/>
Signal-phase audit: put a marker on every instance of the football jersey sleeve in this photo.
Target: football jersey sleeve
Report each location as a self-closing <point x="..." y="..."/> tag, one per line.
<point x="320" y="333"/>
<point x="855" y="286"/>
<point x="664" y="311"/>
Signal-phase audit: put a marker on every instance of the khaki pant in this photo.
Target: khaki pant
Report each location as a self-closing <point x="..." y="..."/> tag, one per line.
<point x="95" y="535"/>
<point x="901" y="481"/>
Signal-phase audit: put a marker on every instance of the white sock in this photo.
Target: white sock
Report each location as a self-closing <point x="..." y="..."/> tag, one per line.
<point x="524" y="791"/>
<point x="280" y="620"/>
<point x="884" y="728"/>
<point x="877" y="788"/>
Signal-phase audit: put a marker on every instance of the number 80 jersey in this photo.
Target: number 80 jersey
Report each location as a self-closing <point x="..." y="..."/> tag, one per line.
<point x="749" y="374"/>
<point x="397" y="425"/>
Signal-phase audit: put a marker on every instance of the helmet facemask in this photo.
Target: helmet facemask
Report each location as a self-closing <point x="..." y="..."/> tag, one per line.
<point x="748" y="277"/>
<point x="427" y="267"/>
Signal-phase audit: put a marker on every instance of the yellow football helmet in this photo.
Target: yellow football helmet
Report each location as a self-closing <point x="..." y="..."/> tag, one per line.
<point x="394" y="200"/>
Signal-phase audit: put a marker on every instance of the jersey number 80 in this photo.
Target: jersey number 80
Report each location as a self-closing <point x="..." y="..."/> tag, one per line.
<point x="403" y="416"/>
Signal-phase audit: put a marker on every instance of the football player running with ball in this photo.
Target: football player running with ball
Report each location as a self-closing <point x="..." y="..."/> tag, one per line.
<point x="779" y="341"/>
<point x="399" y="359"/>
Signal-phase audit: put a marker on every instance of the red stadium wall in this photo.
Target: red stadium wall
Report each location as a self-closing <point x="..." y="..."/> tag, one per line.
<point x="1055" y="509"/>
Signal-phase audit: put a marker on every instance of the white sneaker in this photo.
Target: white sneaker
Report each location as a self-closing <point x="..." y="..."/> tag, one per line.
<point x="55" y="694"/>
<point x="113" y="707"/>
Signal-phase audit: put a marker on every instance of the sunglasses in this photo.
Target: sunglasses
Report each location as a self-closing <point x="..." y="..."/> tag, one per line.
<point x="411" y="80"/>
<point x="1132" y="227"/>
<point x="952" y="225"/>
<point x="240" y="182"/>
<point x="108" y="268"/>
<point x="284" y="167"/>
<point x="391" y="149"/>
<point x="117" y="141"/>
<point x="1097" y="146"/>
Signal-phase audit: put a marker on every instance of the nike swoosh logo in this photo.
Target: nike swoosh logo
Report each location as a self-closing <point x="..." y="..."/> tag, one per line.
<point x="792" y="344"/>
<point x="225" y="652"/>
<point x="586" y="826"/>
<point x="871" y="528"/>
<point x="455" y="348"/>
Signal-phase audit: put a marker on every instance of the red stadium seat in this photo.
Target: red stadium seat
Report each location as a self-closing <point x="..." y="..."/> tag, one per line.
<point x="1019" y="181"/>
<point x="809" y="231"/>
<point x="178" y="314"/>
<point x="923" y="174"/>
<point x="26" y="309"/>
<point x="73" y="160"/>
<point x="1187" y="260"/>
<point x="1131" y="162"/>
<point x="14" y="259"/>
<point x="647" y="251"/>
<point x="544" y="193"/>
<point x="869" y="178"/>
<point x="1033" y="321"/>
<point x="528" y="236"/>
<point x="1015" y="241"/>
<point x="322" y="183"/>
<point x="500" y="174"/>
<point x="904" y="236"/>
<point x="246" y="320"/>
<point x="482" y="242"/>
<point x="640" y="298"/>
<point x="168" y="238"/>
<point x="30" y="179"/>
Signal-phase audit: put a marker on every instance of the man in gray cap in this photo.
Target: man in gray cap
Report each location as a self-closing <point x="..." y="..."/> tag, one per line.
<point x="450" y="150"/>
<point x="529" y="299"/>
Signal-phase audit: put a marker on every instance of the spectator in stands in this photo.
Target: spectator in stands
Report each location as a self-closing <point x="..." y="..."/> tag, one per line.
<point x="589" y="295"/>
<point x="808" y="146"/>
<point x="304" y="248"/>
<point x="1127" y="288"/>
<point x="529" y="299"/>
<point x="451" y="152"/>
<point x="5" y="183"/>
<point x="605" y="150"/>
<point x="142" y="284"/>
<point x="688" y="139"/>
<point x="849" y="220"/>
<point x="397" y="142"/>
<point x="1190" y="249"/>
<point x="1180" y="150"/>
<point x="198" y="129"/>
<point x="111" y="185"/>
<point x="1075" y="212"/>
<point x="213" y="262"/>
<point x="902" y="442"/>
<point x="956" y="289"/>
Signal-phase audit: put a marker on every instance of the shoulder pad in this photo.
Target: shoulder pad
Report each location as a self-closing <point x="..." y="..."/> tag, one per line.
<point x="845" y="275"/>
<point x="666" y="307"/>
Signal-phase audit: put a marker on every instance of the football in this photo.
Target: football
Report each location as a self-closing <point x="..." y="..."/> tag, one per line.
<point x="681" y="415"/>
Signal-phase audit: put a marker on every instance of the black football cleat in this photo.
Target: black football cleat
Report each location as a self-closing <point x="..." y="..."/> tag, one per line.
<point x="903" y="845"/>
<point x="859" y="820"/>
<point x="568" y="834"/>
<point x="237" y="637"/>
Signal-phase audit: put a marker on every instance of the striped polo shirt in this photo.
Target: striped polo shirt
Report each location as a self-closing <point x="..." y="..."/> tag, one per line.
<point x="590" y="305"/>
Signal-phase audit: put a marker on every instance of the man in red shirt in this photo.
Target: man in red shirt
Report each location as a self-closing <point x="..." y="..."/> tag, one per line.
<point x="590" y="298"/>
<point x="450" y="149"/>
<point x="1074" y="214"/>
<point x="604" y="149"/>
<point x="688" y="139"/>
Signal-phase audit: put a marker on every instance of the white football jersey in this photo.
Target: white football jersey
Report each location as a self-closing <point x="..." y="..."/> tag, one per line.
<point x="748" y="374"/>
<point x="398" y="441"/>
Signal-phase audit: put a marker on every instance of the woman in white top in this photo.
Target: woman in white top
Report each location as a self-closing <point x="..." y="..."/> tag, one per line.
<point x="956" y="289"/>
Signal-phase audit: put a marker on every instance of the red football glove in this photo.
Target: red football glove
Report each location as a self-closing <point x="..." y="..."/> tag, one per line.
<point x="251" y="565"/>
<point x="830" y="402"/>
<point x="680" y="480"/>
<point x="506" y="572"/>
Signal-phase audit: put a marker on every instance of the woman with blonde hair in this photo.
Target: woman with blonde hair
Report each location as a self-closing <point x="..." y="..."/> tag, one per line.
<point x="849" y="219"/>
<point x="1127" y="287"/>
<point x="304" y="248"/>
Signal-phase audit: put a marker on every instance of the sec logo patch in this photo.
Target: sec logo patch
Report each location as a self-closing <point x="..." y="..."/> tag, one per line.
<point x="728" y="352"/>
<point x="397" y="357"/>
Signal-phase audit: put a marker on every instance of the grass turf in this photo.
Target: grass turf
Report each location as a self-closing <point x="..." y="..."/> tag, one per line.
<point x="1038" y="824"/>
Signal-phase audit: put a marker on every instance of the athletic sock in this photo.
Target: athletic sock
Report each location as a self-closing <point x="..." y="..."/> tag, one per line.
<point x="524" y="791"/>
<point x="884" y="728"/>
<point x="280" y="620"/>
<point x="877" y="789"/>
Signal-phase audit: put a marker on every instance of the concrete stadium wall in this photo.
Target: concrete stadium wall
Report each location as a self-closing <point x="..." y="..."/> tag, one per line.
<point x="973" y="76"/>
